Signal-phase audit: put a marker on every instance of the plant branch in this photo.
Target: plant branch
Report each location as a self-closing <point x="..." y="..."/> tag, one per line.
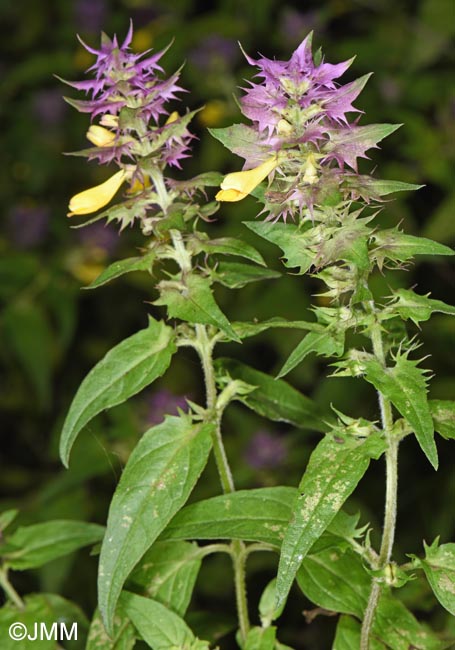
<point x="390" y="511"/>
<point x="205" y="349"/>
<point x="9" y="589"/>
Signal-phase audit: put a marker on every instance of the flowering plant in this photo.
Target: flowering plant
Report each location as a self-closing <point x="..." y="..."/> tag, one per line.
<point x="301" y="154"/>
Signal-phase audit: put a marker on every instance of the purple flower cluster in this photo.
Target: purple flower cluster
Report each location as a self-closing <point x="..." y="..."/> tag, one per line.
<point x="300" y="113"/>
<point x="126" y="92"/>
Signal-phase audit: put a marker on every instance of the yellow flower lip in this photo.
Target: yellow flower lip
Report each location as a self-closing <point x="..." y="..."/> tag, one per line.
<point x="238" y="185"/>
<point x="96" y="197"/>
<point x="99" y="136"/>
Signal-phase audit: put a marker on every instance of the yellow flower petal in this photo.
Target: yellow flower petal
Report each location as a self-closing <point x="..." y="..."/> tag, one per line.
<point x="230" y="195"/>
<point x="173" y="117"/>
<point x="96" y="197"/>
<point x="238" y="185"/>
<point x="109" y="120"/>
<point x="100" y="136"/>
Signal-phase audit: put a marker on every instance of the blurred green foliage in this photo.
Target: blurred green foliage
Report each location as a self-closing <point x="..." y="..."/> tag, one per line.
<point x="52" y="332"/>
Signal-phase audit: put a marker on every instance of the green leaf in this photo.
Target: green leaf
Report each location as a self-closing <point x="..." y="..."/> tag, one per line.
<point x="294" y="241"/>
<point x="395" y="245"/>
<point x="443" y="414"/>
<point x="338" y="581"/>
<point x="121" y="267"/>
<point x="27" y="333"/>
<point x="355" y="142"/>
<point x="241" y="140"/>
<point x="129" y="367"/>
<point x="334" y="470"/>
<point x="193" y="302"/>
<point x="342" y="586"/>
<point x="375" y="188"/>
<point x="123" y="636"/>
<point x="32" y="546"/>
<point x="348" y="636"/>
<point x="418" y="308"/>
<point x="245" y="329"/>
<point x="6" y="518"/>
<point x="260" y="638"/>
<point x="168" y="573"/>
<point x="405" y="386"/>
<point x="41" y="608"/>
<point x="198" y="243"/>
<point x="157" y="480"/>
<point x="439" y="567"/>
<point x="257" y="515"/>
<point x="274" y="398"/>
<point x="325" y="343"/>
<point x="235" y="274"/>
<point x="160" y="628"/>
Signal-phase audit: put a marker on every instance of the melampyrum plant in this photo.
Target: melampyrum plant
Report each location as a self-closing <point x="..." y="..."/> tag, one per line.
<point x="300" y="148"/>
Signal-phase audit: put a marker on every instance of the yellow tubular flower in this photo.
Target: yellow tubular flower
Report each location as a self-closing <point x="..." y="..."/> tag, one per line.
<point x="96" y="197"/>
<point x="238" y="185"/>
<point x="100" y="136"/>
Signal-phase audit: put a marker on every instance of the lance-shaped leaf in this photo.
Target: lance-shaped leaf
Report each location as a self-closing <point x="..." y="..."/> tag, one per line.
<point x="338" y="581"/>
<point x="200" y="243"/>
<point x="326" y="342"/>
<point x="334" y="470"/>
<point x="443" y="414"/>
<point x="235" y="274"/>
<point x="375" y="188"/>
<point x="439" y="567"/>
<point x="405" y="385"/>
<point x="245" y="330"/>
<point x="157" y="480"/>
<point x="123" y="635"/>
<point x="160" y="628"/>
<point x="32" y="546"/>
<point x="193" y="301"/>
<point x="168" y="573"/>
<point x="257" y="515"/>
<point x="294" y="241"/>
<point x="129" y="367"/>
<point x="274" y="398"/>
<point x="395" y="245"/>
<point x="410" y="305"/>
<point x="121" y="267"/>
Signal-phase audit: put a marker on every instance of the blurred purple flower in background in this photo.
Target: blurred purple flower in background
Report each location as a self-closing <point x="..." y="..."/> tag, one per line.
<point x="266" y="450"/>
<point x="90" y="15"/>
<point x="294" y="24"/>
<point x="162" y="403"/>
<point x="49" y="107"/>
<point x="213" y="52"/>
<point x="100" y="237"/>
<point x="28" y="225"/>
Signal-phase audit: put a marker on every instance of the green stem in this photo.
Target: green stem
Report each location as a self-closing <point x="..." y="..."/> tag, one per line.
<point x="9" y="589"/>
<point x="205" y="350"/>
<point x="390" y="511"/>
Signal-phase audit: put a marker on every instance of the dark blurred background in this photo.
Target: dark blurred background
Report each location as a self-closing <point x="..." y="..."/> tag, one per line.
<point x="53" y="332"/>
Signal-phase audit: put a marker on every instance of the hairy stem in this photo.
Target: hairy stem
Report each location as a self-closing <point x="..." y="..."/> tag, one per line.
<point x="9" y="589"/>
<point x="390" y="511"/>
<point x="205" y="350"/>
